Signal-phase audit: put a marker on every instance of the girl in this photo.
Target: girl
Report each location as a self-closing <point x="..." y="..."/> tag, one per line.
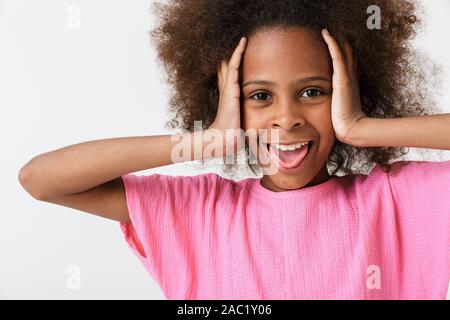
<point x="343" y="101"/>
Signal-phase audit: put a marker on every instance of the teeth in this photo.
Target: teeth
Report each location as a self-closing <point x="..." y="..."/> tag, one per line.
<point x="290" y="147"/>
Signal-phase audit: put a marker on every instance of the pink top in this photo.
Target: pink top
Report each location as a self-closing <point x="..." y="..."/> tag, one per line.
<point x="376" y="236"/>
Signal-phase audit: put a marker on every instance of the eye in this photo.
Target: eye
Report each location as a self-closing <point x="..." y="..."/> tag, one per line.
<point x="260" y="96"/>
<point x="311" y="93"/>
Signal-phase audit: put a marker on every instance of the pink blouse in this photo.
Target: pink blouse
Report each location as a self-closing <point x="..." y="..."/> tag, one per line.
<point x="376" y="236"/>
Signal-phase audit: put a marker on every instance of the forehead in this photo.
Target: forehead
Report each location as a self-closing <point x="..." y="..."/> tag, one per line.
<point x="278" y="53"/>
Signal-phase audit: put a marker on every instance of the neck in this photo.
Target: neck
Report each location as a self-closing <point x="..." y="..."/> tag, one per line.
<point x="321" y="177"/>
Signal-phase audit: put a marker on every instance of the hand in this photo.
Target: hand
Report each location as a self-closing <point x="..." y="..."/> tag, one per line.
<point x="346" y="102"/>
<point x="227" y="119"/>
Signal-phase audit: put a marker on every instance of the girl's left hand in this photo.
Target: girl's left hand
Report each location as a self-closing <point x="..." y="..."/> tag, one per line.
<point x="346" y="102"/>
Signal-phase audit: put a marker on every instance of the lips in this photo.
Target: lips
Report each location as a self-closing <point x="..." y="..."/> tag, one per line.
<point x="289" y="159"/>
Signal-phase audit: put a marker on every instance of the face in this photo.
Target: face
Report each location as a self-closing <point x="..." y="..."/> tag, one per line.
<point x="286" y="85"/>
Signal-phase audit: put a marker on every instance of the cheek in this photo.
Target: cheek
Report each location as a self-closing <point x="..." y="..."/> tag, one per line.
<point x="320" y="117"/>
<point x="328" y="126"/>
<point x="252" y="122"/>
<point x="327" y="135"/>
<point x="324" y="126"/>
<point x="252" y="119"/>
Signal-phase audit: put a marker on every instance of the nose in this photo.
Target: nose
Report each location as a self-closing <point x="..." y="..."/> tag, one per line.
<point x="286" y="117"/>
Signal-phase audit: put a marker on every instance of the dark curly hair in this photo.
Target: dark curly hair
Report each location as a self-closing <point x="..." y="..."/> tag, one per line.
<point x="193" y="36"/>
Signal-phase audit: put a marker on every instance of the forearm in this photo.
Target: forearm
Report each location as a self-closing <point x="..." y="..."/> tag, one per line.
<point x="432" y="132"/>
<point x="83" y="166"/>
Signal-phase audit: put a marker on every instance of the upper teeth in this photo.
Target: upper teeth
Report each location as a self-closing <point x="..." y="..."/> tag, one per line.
<point x="290" y="147"/>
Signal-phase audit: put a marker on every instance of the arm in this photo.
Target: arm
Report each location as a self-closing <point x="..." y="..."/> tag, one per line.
<point x="353" y="127"/>
<point x="431" y="132"/>
<point x="87" y="176"/>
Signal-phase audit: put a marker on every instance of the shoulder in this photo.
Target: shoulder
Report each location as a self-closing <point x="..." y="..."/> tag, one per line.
<point x="410" y="167"/>
<point x="414" y="171"/>
<point x="414" y="180"/>
<point x="403" y="174"/>
<point x="177" y="183"/>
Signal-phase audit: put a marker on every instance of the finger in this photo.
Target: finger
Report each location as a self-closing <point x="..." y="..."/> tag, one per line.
<point x="221" y="74"/>
<point x="348" y="52"/>
<point x="219" y="80"/>
<point x="224" y="72"/>
<point x="219" y="77"/>
<point x="356" y="65"/>
<point x="336" y="53"/>
<point x="235" y="61"/>
<point x="350" y="58"/>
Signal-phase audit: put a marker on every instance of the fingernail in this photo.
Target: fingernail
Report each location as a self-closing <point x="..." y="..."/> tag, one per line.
<point x="326" y="31"/>
<point x="242" y="40"/>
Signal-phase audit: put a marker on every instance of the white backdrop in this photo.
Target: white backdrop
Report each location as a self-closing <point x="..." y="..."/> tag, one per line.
<point x="73" y="71"/>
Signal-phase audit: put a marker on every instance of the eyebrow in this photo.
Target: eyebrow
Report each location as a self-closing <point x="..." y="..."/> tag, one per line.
<point x="301" y="80"/>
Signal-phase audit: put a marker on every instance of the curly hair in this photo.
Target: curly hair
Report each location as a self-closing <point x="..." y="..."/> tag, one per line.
<point x="193" y="36"/>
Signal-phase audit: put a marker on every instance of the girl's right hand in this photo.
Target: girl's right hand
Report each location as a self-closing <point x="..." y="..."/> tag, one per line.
<point x="227" y="121"/>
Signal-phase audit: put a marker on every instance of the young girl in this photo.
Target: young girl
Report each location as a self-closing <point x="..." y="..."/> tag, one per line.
<point x="344" y="99"/>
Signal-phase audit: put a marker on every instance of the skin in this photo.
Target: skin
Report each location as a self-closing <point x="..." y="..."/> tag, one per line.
<point x="301" y="111"/>
<point x="87" y="176"/>
<point x="322" y="109"/>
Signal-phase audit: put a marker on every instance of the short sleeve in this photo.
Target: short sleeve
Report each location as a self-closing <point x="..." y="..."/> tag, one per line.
<point x="167" y="213"/>
<point x="421" y="192"/>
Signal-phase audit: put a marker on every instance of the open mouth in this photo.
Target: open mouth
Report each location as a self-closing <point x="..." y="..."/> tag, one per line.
<point x="290" y="158"/>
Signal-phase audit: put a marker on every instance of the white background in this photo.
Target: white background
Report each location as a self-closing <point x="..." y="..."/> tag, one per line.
<point x="60" y="86"/>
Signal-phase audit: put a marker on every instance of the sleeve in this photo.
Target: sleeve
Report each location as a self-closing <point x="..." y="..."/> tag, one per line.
<point x="421" y="192"/>
<point x="167" y="213"/>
